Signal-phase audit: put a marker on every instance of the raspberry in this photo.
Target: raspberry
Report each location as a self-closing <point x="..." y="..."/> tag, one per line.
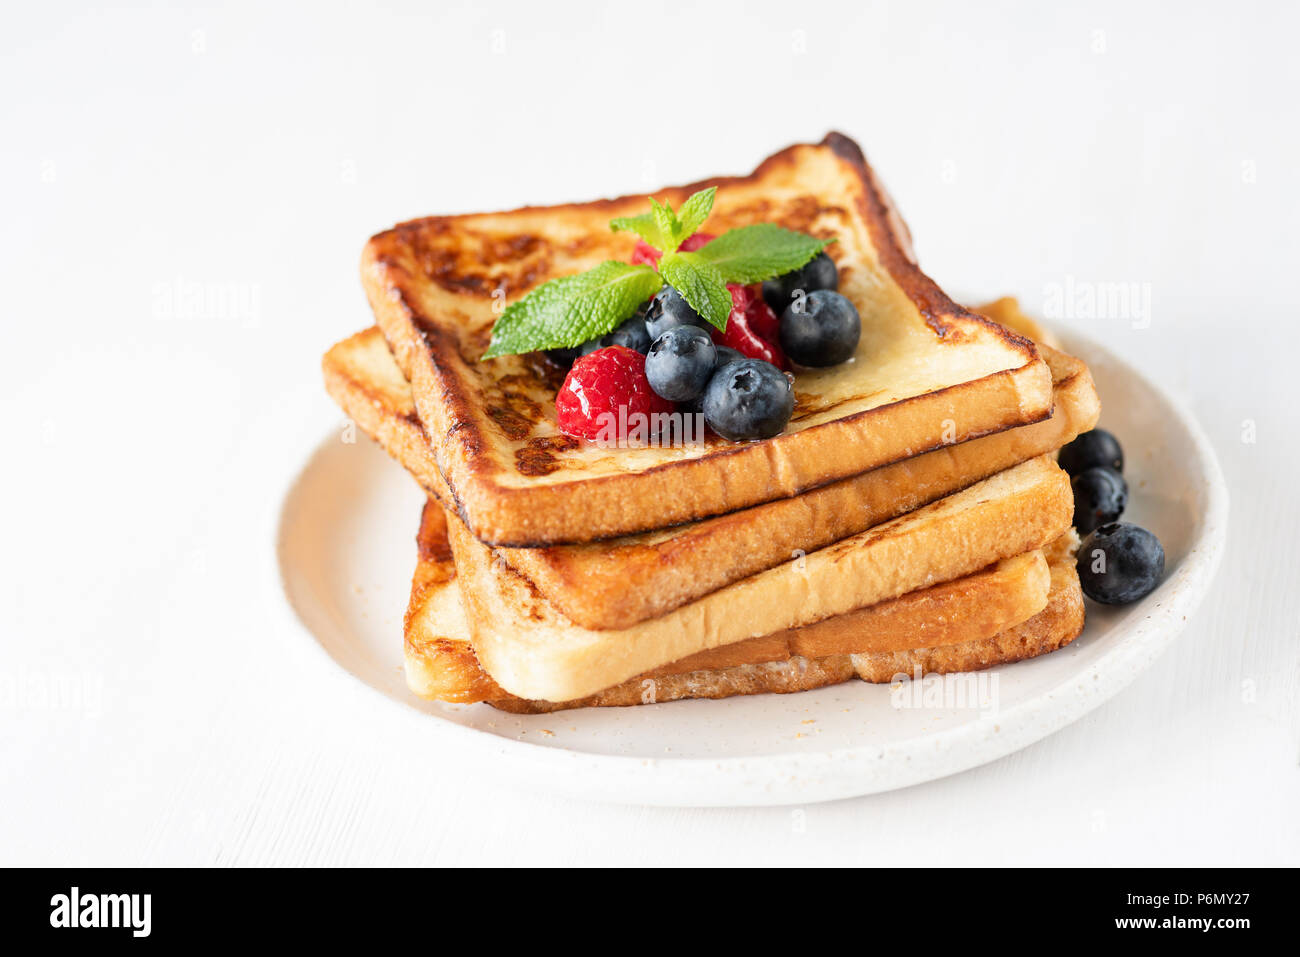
<point x="752" y="328"/>
<point x="761" y="318"/>
<point x="606" y="397"/>
<point x="647" y="255"/>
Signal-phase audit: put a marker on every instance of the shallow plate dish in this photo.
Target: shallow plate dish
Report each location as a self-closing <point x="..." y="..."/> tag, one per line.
<point x="346" y="550"/>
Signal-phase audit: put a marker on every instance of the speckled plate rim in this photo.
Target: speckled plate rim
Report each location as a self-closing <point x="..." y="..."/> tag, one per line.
<point x="812" y="776"/>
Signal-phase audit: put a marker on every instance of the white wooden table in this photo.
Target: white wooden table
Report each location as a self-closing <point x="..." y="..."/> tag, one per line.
<point x="185" y="196"/>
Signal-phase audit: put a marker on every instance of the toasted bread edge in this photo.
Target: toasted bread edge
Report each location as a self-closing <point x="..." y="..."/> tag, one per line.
<point x="446" y="668"/>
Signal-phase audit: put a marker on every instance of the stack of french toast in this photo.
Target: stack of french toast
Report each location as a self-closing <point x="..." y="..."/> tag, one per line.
<point x="910" y="518"/>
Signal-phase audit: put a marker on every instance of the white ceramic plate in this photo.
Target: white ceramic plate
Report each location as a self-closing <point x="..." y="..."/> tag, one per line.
<point x="346" y="553"/>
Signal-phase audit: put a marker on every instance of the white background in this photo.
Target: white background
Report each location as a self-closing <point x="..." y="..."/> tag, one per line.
<point x="246" y="152"/>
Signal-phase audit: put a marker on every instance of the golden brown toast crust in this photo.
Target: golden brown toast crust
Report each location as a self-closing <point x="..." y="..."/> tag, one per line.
<point x="1052" y="628"/>
<point x="516" y="481"/>
<point x="959" y="633"/>
<point x="678" y="565"/>
<point x="533" y="651"/>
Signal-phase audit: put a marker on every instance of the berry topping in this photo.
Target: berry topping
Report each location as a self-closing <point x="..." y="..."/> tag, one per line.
<point x="748" y="399"/>
<point x="606" y="395"/>
<point x="680" y="363"/>
<point x="1120" y="563"/>
<point x="1100" y="495"/>
<point x="727" y="354"/>
<point x="759" y="315"/>
<point x="668" y="308"/>
<point x="631" y="334"/>
<point x="694" y="242"/>
<point x="820" y="329"/>
<point x="1095" y="448"/>
<point x="720" y="352"/>
<point x="564" y="357"/>
<point x="646" y="255"/>
<point x="819" y="273"/>
<point x="749" y="317"/>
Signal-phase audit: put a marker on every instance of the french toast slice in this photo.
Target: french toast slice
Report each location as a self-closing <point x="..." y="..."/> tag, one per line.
<point x="672" y="567"/>
<point x="999" y="614"/>
<point x="533" y="651"/>
<point x="927" y="372"/>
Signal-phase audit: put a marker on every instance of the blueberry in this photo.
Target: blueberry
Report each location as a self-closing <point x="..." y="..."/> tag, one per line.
<point x="564" y="357"/>
<point x="1100" y="495"/>
<point x="631" y="333"/>
<point x="726" y="354"/>
<point x="749" y="399"/>
<point x="680" y="363"/>
<point x="669" y="309"/>
<point x="819" y="273"/>
<point x="1090" y="449"/>
<point x="1120" y="563"/>
<point x="820" y="329"/>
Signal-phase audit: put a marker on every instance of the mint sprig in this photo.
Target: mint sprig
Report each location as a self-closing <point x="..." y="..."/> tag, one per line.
<point x="664" y="229"/>
<point x="569" y="311"/>
<point x="758" y="252"/>
<point x="693" y="213"/>
<point x="700" y="283"/>
<point x="643" y="225"/>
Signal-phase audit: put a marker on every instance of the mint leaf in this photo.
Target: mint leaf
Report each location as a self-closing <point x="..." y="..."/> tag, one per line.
<point x="643" y="225"/>
<point x="667" y="224"/>
<point x="700" y="283"/>
<point x="570" y="310"/>
<point x="694" y="212"/>
<point x="661" y="227"/>
<point x="764" y="251"/>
